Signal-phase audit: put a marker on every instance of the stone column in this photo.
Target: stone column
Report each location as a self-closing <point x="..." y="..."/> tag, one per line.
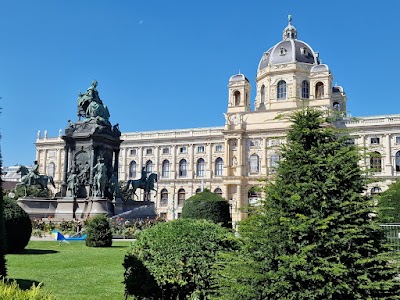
<point x="264" y="164"/>
<point x="65" y="172"/>
<point x="174" y="170"/>
<point x="240" y="156"/>
<point x="58" y="168"/>
<point x="210" y="163"/>
<point x="157" y="162"/>
<point x="227" y="158"/>
<point x="116" y="162"/>
<point x="191" y="169"/>
<point x="388" y="159"/>
<point x="44" y="171"/>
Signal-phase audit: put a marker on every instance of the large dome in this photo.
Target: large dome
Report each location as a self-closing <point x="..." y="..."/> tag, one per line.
<point x="290" y="50"/>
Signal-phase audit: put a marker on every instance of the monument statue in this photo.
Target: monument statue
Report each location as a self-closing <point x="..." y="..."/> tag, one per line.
<point x="91" y="107"/>
<point x="100" y="177"/>
<point x="33" y="177"/>
<point x="147" y="185"/>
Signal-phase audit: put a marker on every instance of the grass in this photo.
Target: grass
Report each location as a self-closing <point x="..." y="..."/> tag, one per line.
<point x="71" y="271"/>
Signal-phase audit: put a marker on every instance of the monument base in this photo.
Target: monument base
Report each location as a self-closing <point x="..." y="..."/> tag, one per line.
<point x="38" y="207"/>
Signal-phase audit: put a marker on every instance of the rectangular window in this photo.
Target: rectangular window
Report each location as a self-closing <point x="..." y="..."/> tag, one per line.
<point x="183" y="149"/>
<point x="218" y="148"/>
<point x="165" y="150"/>
<point x="149" y="151"/>
<point x="133" y="151"/>
<point x="374" y="141"/>
<point x="200" y="149"/>
<point x="397" y="139"/>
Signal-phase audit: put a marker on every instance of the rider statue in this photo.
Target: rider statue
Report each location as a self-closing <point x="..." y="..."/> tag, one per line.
<point x="143" y="178"/>
<point x="34" y="173"/>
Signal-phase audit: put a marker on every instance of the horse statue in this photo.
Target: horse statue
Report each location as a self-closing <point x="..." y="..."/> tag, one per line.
<point x="147" y="186"/>
<point x="41" y="180"/>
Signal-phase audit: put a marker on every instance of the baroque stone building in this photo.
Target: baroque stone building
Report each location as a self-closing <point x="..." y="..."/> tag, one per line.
<point x="232" y="159"/>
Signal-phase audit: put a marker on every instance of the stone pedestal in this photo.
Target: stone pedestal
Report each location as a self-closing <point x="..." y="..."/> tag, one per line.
<point x="38" y="207"/>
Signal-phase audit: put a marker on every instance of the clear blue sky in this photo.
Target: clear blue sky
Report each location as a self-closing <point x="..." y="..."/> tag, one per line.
<point x="166" y="64"/>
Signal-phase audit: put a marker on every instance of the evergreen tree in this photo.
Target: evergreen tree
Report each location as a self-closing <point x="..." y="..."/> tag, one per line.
<point x="3" y="270"/>
<point x="314" y="239"/>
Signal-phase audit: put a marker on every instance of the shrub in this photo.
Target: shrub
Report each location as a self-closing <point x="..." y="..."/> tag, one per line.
<point x="389" y="204"/>
<point x="18" y="226"/>
<point x="12" y="291"/>
<point x="208" y="206"/>
<point x="98" y="230"/>
<point x="174" y="260"/>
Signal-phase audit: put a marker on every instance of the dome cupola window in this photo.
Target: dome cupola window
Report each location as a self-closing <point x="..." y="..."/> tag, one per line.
<point x="281" y="90"/>
<point x="305" y="89"/>
<point x="319" y="90"/>
<point x="236" y="97"/>
<point x="283" y="51"/>
<point x="263" y="94"/>
<point x="303" y="51"/>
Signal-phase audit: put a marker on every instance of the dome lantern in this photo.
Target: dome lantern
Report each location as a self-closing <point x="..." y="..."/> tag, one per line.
<point x="290" y="32"/>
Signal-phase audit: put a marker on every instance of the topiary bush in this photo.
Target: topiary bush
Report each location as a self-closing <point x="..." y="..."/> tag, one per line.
<point x="175" y="260"/>
<point x="18" y="226"/>
<point x="209" y="206"/>
<point x="98" y="230"/>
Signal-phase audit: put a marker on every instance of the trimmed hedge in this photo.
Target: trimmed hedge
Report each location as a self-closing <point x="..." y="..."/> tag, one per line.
<point x="175" y="260"/>
<point x="18" y="226"/>
<point x="209" y="206"/>
<point x="98" y="230"/>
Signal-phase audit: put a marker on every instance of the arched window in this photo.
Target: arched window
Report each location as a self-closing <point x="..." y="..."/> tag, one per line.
<point x="263" y="94"/>
<point x="164" y="198"/>
<point x="274" y="161"/>
<point x="375" y="190"/>
<point x="181" y="197"/>
<point x="336" y="106"/>
<point x="182" y="168"/>
<point x="254" y="164"/>
<point x="149" y="167"/>
<point x="219" y="166"/>
<point x="319" y="90"/>
<point x="132" y="169"/>
<point x="397" y="157"/>
<point x="218" y="191"/>
<point x="376" y="162"/>
<point x="51" y="169"/>
<point x="236" y="96"/>
<point x="165" y="169"/>
<point x="305" y="89"/>
<point x="281" y="90"/>
<point x="198" y="190"/>
<point x="201" y="167"/>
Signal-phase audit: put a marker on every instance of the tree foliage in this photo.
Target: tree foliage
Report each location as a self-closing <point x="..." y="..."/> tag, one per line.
<point x="313" y="239"/>
<point x="209" y="206"/>
<point x="389" y="204"/>
<point x="98" y="230"/>
<point x="3" y="269"/>
<point x="174" y="260"/>
<point x="18" y="226"/>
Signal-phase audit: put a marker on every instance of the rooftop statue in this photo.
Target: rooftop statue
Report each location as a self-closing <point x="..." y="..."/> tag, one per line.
<point x="91" y="107"/>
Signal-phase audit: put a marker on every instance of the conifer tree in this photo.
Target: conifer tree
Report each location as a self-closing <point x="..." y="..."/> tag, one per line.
<point x="314" y="239"/>
<point x="3" y="270"/>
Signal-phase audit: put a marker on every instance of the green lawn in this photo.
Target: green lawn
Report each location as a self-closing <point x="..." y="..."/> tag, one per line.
<point x="71" y="271"/>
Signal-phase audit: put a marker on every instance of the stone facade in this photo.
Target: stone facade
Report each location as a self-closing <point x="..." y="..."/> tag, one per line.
<point x="233" y="158"/>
